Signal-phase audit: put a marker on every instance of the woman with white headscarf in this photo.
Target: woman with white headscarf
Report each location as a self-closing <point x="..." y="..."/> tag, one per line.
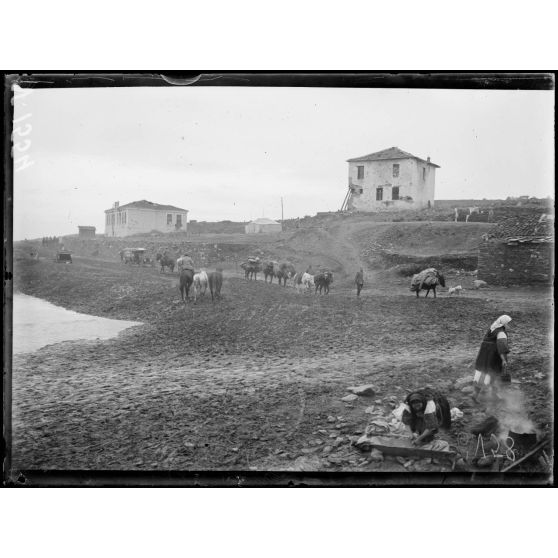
<point x="492" y="361"/>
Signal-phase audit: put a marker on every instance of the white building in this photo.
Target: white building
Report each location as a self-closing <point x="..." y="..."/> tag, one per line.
<point x="143" y="217"/>
<point x="391" y="179"/>
<point x="263" y="225"/>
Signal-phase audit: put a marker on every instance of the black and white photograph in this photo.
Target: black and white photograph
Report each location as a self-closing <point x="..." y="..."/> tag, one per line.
<point x="273" y="278"/>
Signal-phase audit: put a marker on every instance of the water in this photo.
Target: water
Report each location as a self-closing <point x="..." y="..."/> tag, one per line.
<point x="37" y="323"/>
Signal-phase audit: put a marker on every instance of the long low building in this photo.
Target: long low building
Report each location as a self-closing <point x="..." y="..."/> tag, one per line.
<point x="143" y="217"/>
<point x="263" y="225"/>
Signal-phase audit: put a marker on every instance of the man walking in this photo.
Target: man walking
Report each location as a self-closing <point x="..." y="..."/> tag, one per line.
<point x="359" y="281"/>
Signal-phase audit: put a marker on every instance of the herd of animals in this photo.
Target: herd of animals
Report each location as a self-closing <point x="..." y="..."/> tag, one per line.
<point x="201" y="281"/>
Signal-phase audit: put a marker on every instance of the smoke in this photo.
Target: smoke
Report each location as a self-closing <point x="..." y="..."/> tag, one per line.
<point x="512" y="413"/>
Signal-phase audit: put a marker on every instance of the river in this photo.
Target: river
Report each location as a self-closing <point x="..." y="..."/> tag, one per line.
<point x="37" y="323"/>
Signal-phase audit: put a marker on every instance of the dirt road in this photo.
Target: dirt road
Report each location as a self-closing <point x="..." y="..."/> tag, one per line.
<point x="254" y="381"/>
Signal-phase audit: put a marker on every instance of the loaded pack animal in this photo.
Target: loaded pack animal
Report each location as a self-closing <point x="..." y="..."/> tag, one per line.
<point x="215" y="280"/>
<point x="307" y="281"/>
<point x="201" y="282"/>
<point x="185" y="282"/>
<point x="166" y="261"/>
<point x="303" y="281"/>
<point x="427" y="280"/>
<point x="251" y="269"/>
<point x="322" y="281"/>
<point x="283" y="272"/>
<point x="269" y="269"/>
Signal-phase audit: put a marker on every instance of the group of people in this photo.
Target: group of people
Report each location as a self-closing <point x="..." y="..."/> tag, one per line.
<point x="426" y="410"/>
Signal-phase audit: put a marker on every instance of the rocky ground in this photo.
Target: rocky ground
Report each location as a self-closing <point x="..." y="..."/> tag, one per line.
<point x="257" y="380"/>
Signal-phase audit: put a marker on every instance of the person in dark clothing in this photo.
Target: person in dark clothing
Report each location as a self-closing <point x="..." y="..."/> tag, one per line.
<point x="426" y="411"/>
<point x="491" y="366"/>
<point x="359" y="281"/>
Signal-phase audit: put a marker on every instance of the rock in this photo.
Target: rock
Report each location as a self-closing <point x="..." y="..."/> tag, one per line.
<point x="462" y="382"/>
<point x="338" y="441"/>
<point x="327" y="449"/>
<point x="363" y="443"/>
<point x="400" y="460"/>
<point x="378" y="402"/>
<point x="468" y="390"/>
<point x="369" y="410"/>
<point x="485" y="461"/>
<point x="324" y="432"/>
<point x="367" y="390"/>
<point x="376" y="455"/>
<point x="330" y="419"/>
<point x="479" y="284"/>
<point x="407" y="464"/>
<point x="336" y="458"/>
<point x="349" y="398"/>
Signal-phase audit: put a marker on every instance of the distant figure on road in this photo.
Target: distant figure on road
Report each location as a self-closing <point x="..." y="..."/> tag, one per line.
<point x="359" y="281"/>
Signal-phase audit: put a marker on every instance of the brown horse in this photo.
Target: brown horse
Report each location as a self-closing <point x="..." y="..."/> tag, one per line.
<point x="185" y="282"/>
<point x="166" y="261"/>
<point x="215" y="283"/>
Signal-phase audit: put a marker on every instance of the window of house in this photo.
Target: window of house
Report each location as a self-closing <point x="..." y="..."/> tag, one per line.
<point x="395" y="171"/>
<point x="360" y="172"/>
<point x="379" y="194"/>
<point x="395" y="193"/>
<point x="424" y="173"/>
<point x="169" y="218"/>
<point x="124" y="218"/>
<point x="119" y="218"/>
<point x="178" y="220"/>
<point x="360" y="190"/>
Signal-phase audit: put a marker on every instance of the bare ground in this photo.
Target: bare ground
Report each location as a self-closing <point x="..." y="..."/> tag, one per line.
<point x="250" y="381"/>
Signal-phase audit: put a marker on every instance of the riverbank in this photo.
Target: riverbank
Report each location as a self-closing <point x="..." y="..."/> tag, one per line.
<point x="37" y="323"/>
<point x="251" y="381"/>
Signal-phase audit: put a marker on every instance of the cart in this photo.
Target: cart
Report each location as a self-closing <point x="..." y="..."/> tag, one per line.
<point x="63" y="256"/>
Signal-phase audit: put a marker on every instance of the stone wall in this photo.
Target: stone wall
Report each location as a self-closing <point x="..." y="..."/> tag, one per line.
<point x="526" y="263"/>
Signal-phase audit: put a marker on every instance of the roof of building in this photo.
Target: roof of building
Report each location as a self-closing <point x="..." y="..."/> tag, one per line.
<point x="264" y="221"/>
<point x="390" y="153"/>
<point x="144" y="204"/>
<point x="89" y="227"/>
<point x="528" y="227"/>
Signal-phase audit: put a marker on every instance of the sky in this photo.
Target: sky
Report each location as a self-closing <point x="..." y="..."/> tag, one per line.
<point x="234" y="152"/>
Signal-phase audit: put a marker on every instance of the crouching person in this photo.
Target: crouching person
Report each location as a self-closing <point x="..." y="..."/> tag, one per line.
<point x="425" y="412"/>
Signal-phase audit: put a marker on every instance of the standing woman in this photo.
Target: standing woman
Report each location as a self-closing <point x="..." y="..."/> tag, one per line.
<point x="491" y="365"/>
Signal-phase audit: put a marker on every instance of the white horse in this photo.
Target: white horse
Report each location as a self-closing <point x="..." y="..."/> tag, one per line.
<point x="307" y="280"/>
<point x="201" y="281"/>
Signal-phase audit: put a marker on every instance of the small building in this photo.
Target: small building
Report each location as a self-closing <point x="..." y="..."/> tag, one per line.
<point x="86" y="232"/>
<point x="263" y="225"/>
<point x="143" y="217"/>
<point x="391" y="179"/>
<point x="518" y="250"/>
